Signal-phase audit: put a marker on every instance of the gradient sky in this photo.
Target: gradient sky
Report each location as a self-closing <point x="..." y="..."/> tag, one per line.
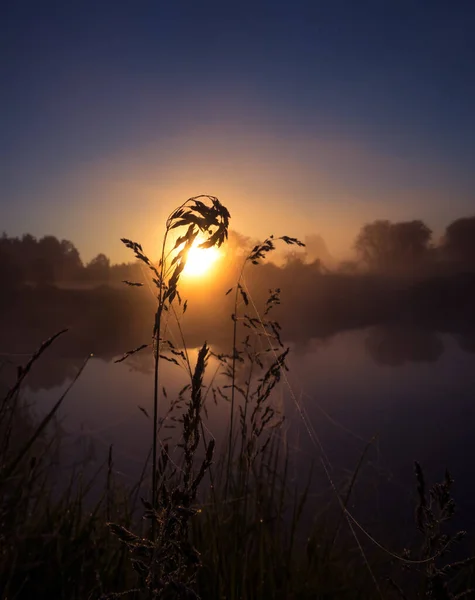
<point x="302" y="117"/>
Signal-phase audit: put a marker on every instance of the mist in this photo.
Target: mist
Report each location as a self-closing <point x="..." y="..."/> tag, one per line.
<point x="403" y="288"/>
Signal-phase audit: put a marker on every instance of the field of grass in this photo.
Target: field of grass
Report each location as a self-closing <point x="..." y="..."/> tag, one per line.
<point x="202" y="521"/>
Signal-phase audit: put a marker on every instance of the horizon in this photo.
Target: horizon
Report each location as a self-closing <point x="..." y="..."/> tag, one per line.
<point x="348" y="254"/>
<point x="309" y="113"/>
<point x="250" y="353"/>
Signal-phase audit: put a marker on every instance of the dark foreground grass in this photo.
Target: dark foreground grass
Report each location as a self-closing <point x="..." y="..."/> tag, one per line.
<point x="203" y="521"/>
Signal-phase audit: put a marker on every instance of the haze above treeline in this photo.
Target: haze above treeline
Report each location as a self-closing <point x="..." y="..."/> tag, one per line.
<point x="398" y="248"/>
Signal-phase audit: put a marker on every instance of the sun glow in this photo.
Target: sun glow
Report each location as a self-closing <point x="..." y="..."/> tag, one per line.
<point x="200" y="260"/>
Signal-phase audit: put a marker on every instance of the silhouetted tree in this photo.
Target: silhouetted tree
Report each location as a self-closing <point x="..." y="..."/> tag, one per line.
<point x="98" y="269"/>
<point x="373" y="244"/>
<point x="27" y="252"/>
<point x="10" y="271"/>
<point x="129" y="272"/>
<point x="49" y="260"/>
<point x="387" y="246"/>
<point x="71" y="264"/>
<point x="46" y="265"/>
<point x="316" y="249"/>
<point x="459" y="242"/>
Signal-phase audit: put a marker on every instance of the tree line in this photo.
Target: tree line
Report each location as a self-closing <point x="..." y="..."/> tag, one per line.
<point x="408" y="245"/>
<point x="396" y="248"/>
<point x="49" y="260"/>
<point x="382" y="246"/>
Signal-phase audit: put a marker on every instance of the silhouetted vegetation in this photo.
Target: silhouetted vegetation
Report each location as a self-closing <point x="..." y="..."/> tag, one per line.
<point x="391" y="249"/>
<point x="394" y="247"/>
<point x="316" y="304"/>
<point x="222" y="522"/>
<point x="458" y="244"/>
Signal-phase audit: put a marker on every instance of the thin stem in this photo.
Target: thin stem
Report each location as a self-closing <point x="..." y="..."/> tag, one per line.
<point x="183" y="343"/>
<point x="158" y="321"/>
<point x="233" y="387"/>
<point x="246" y="403"/>
<point x="155" y="422"/>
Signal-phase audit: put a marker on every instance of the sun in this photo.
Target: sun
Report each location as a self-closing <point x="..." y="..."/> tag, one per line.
<point x="200" y="260"/>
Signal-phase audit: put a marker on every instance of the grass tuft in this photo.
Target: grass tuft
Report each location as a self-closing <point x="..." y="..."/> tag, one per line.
<point x="204" y="520"/>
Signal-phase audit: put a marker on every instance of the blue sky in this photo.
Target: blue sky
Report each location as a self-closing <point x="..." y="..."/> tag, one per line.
<point x="301" y="116"/>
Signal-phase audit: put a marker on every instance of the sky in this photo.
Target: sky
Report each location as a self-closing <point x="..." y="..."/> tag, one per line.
<point x="302" y="117"/>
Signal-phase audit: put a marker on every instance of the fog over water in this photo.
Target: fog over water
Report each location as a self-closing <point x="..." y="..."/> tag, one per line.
<point x="403" y="379"/>
<point x="381" y="362"/>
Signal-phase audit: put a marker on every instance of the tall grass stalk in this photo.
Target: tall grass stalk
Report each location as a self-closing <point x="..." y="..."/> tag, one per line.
<point x="210" y="220"/>
<point x="257" y="254"/>
<point x="217" y="525"/>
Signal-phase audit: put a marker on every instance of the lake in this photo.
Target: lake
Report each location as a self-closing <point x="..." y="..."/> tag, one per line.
<point x="410" y="390"/>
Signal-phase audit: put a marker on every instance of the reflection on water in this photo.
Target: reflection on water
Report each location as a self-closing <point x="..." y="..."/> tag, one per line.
<point x="386" y="345"/>
<point x="417" y="400"/>
<point x="409" y="387"/>
<point x="394" y="345"/>
<point x="405" y="319"/>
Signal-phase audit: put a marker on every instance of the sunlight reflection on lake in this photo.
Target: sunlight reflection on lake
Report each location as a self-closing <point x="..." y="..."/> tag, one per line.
<point x="415" y="400"/>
